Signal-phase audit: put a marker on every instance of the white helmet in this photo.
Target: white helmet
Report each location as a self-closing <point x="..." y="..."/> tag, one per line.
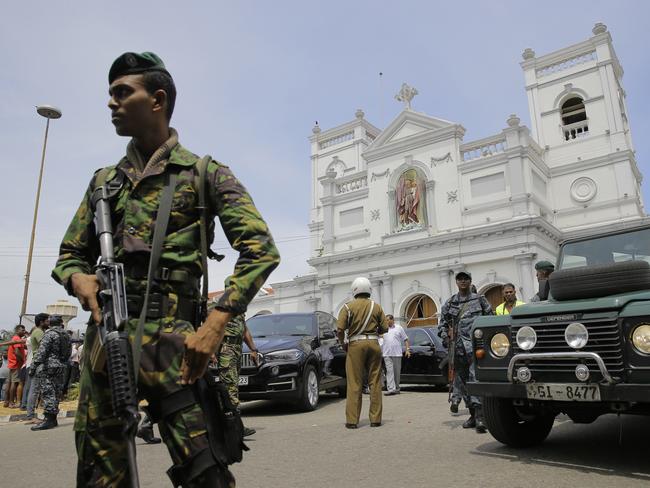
<point x="361" y="285"/>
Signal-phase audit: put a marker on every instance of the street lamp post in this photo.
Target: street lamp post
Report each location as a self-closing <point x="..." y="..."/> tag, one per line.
<point x="48" y="112"/>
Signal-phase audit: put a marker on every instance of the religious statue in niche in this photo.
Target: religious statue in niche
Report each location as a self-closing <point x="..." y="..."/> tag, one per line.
<point x="409" y="196"/>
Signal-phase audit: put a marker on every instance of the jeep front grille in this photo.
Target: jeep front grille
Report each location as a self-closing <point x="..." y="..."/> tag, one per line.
<point x="604" y="340"/>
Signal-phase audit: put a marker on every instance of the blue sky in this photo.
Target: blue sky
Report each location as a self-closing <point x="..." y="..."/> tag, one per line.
<point x="252" y="79"/>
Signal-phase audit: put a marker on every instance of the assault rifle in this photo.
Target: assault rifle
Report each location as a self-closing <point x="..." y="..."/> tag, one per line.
<point x="451" y="352"/>
<point x="112" y="331"/>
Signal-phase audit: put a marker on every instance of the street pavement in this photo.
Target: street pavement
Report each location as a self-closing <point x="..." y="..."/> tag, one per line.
<point x="419" y="445"/>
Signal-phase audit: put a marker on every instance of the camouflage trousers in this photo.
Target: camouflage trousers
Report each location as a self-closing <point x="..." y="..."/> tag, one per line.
<point x="229" y="365"/>
<point x="101" y="448"/>
<point x="465" y="370"/>
<point x="50" y="385"/>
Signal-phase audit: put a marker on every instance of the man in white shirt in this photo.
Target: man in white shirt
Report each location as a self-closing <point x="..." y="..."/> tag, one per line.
<point x="391" y="349"/>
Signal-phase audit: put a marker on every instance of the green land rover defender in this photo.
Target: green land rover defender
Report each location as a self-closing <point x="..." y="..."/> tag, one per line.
<point x="583" y="352"/>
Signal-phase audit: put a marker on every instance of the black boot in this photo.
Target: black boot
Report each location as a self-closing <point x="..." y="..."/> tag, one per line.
<point x="453" y="408"/>
<point x="248" y="432"/>
<point x="146" y="434"/>
<point x="481" y="428"/>
<point x="48" y="423"/>
<point x="470" y="423"/>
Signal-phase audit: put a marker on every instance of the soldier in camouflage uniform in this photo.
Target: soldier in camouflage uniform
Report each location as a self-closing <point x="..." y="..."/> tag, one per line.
<point x="229" y="359"/>
<point x="461" y="309"/>
<point x="49" y="366"/>
<point x="176" y="347"/>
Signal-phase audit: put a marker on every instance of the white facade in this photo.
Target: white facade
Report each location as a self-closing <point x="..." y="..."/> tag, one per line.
<point x="413" y="204"/>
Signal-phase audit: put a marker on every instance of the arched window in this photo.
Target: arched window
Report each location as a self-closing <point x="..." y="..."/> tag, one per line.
<point x="420" y="311"/>
<point x="574" y="118"/>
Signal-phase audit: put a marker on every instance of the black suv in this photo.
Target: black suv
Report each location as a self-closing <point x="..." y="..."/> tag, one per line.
<point x="300" y="357"/>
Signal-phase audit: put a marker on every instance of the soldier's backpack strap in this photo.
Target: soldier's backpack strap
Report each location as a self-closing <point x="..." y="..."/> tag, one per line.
<point x="159" y="233"/>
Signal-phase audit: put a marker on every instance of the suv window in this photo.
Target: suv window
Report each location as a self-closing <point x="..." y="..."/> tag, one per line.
<point x="417" y="337"/>
<point x="279" y="324"/>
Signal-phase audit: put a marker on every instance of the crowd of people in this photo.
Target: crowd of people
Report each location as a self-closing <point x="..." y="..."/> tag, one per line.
<point x="38" y="367"/>
<point x="370" y="336"/>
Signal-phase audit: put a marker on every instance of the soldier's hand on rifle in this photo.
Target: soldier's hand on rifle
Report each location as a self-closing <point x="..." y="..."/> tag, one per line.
<point x="85" y="287"/>
<point x="200" y="346"/>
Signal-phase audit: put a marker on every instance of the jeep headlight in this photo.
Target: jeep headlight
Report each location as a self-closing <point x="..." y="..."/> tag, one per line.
<point x="500" y="345"/>
<point x="576" y="335"/>
<point x="641" y="338"/>
<point x="526" y="338"/>
<point x="284" y="355"/>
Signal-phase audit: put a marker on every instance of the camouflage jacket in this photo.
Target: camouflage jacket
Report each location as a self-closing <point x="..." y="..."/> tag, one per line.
<point x="49" y="353"/>
<point x="465" y="310"/>
<point x="134" y="210"/>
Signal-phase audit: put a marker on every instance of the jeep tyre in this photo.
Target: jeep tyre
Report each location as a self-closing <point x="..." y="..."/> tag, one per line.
<point x="309" y="393"/>
<point x="506" y="426"/>
<point x="600" y="281"/>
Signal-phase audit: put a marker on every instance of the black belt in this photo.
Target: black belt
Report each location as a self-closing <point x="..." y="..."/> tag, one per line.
<point x="234" y="340"/>
<point x="159" y="306"/>
<point x="161" y="274"/>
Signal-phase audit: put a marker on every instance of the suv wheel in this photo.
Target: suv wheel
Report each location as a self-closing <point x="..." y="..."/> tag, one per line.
<point x="507" y="426"/>
<point x="310" y="389"/>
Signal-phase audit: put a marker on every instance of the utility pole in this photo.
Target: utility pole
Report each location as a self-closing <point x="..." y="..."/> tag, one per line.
<point x="48" y="112"/>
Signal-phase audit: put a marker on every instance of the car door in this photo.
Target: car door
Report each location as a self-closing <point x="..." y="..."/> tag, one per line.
<point x="422" y="358"/>
<point x="329" y="352"/>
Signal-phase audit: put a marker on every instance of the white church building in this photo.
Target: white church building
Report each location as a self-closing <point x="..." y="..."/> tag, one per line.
<point x="412" y="204"/>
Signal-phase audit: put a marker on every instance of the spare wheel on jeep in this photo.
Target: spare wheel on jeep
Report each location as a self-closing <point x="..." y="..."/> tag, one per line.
<point x="600" y="281"/>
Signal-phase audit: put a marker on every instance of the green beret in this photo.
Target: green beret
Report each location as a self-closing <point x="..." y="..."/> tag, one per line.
<point x="544" y="266"/>
<point x="464" y="273"/>
<point x="135" y="63"/>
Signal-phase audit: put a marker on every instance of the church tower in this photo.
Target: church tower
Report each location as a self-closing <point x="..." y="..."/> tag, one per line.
<point x="579" y="117"/>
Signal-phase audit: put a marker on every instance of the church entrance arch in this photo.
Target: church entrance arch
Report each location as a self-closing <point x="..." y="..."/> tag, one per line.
<point x="421" y="311"/>
<point x="494" y="294"/>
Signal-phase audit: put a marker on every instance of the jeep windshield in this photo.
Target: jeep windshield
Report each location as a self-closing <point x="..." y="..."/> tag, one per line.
<point x="280" y="325"/>
<point x="614" y="248"/>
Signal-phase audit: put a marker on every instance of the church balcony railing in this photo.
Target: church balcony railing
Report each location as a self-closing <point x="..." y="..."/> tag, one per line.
<point x="483" y="148"/>
<point x="576" y="130"/>
<point x="348" y="136"/>
<point x="351" y="183"/>
<point x="565" y="64"/>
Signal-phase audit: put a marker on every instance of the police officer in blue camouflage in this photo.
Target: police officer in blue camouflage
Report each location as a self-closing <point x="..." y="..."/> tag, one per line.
<point x="49" y="367"/>
<point x="458" y="313"/>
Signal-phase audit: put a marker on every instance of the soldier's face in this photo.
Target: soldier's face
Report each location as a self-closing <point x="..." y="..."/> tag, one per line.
<point x="463" y="283"/>
<point x="133" y="109"/>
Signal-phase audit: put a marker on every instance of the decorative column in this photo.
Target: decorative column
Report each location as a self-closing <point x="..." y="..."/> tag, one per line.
<point x="326" y="297"/>
<point x="387" y="294"/>
<point x="515" y="137"/>
<point x="445" y="284"/>
<point x="377" y="287"/>
<point x="328" y="210"/>
<point x="431" y="208"/>
<point x="525" y="274"/>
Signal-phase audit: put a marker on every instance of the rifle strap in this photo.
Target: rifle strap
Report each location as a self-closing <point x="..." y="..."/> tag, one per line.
<point x="159" y="233"/>
<point x="202" y="166"/>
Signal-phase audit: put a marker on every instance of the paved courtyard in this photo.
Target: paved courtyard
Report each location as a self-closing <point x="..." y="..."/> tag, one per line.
<point x="419" y="445"/>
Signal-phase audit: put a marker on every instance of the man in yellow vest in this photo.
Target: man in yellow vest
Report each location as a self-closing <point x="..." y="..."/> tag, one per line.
<point x="510" y="297"/>
<point x="364" y="321"/>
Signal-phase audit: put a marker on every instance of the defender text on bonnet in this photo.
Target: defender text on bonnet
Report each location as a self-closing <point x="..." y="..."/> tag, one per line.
<point x="583" y="352"/>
